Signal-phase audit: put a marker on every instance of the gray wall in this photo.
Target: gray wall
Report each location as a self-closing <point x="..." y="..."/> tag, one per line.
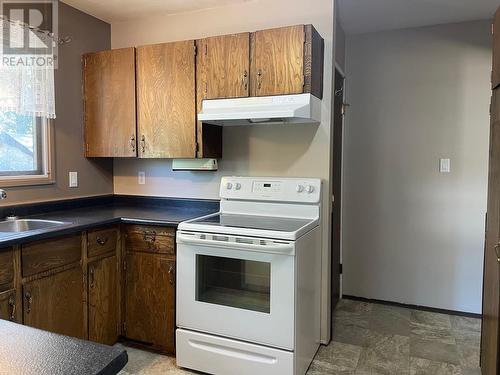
<point x="411" y="234"/>
<point x="95" y="177"/>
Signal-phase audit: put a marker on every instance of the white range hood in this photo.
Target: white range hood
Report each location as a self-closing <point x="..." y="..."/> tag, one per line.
<point x="284" y="109"/>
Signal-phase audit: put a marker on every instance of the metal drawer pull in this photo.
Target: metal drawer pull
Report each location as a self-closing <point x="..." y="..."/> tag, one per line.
<point x="132" y="143"/>
<point x="244" y="80"/>
<point x="12" y="305"/>
<point x="259" y="79"/>
<point x="91" y="278"/>
<point x="102" y="241"/>
<point x="171" y="274"/>
<point x="29" y="301"/>
<point x="497" y="251"/>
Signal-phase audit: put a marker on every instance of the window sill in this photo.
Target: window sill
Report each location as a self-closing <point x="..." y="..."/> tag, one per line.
<point x="13" y="181"/>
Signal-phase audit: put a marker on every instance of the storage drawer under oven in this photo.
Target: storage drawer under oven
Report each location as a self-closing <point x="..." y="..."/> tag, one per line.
<point x="222" y="356"/>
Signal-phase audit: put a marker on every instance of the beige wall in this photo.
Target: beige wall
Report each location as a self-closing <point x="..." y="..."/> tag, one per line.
<point x="410" y="233"/>
<point x="299" y="150"/>
<point x="95" y="177"/>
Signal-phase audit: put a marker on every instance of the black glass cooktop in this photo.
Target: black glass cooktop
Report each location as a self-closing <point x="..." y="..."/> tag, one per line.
<point x="278" y="224"/>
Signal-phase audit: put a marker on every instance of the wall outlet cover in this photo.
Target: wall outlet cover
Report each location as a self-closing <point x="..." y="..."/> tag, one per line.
<point x="444" y="165"/>
<point x="73" y="179"/>
<point x="141" y="178"/>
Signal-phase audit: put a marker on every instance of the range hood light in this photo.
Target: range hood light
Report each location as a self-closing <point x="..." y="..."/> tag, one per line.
<point x="258" y="120"/>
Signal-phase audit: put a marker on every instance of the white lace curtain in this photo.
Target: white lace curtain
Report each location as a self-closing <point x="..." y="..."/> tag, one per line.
<point x="27" y="81"/>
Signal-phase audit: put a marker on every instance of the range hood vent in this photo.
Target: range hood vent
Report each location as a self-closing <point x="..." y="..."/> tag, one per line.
<point x="284" y="109"/>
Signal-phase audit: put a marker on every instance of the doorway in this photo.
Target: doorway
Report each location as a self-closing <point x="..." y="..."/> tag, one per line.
<point x="338" y="132"/>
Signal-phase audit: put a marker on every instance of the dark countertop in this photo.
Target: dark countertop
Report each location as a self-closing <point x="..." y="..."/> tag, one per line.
<point x="29" y="351"/>
<point x="80" y="219"/>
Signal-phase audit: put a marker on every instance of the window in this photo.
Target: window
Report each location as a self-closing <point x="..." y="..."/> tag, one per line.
<point x="24" y="149"/>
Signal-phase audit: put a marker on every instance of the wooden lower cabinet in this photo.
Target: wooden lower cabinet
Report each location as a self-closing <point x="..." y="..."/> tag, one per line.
<point x="55" y="303"/>
<point x="150" y="300"/>
<point x="8" y="305"/>
<point x="103" y="301"/>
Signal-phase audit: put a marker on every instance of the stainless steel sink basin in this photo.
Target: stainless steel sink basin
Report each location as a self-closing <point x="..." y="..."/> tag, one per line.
<point x="26" y="225"/>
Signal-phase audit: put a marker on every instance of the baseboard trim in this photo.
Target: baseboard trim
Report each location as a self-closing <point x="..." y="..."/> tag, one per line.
<point x="414" y="307"/>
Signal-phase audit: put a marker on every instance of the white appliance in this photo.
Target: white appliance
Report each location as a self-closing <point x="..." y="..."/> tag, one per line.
<point x="282" y="109"/>
<point x="248" y="280"/>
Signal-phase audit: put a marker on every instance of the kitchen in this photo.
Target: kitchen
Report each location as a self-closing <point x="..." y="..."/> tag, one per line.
<point x="130" y="163"/>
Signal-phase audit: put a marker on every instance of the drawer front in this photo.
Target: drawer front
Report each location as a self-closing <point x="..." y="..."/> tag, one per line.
<point x="102" y="241"/>
<point x="6" y="269"/>
<point x="150" y="239"/>
<point x="45" y="255"/>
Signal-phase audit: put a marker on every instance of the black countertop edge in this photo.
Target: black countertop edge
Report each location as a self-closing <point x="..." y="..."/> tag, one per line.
<point x="27" y="209"/>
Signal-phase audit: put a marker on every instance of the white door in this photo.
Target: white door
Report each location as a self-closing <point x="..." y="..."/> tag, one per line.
<point x="236" y="287"/>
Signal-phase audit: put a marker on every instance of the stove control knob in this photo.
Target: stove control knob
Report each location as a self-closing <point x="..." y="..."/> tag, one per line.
<point x="229" y="186"/>
<point x="300" y="188"/>
<point x="309" y="189"/>
<point x="237" y="186"/>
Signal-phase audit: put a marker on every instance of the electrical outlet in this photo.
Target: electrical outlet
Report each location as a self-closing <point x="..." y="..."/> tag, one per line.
<point x="73" y="179"/>
<point x="444" y="165"/>
<point x="141" y="178"/>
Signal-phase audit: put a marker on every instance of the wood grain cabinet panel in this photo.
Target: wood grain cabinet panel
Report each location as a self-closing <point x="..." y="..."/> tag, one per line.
<point x="55" y="303"/>
<point x="166" y="100"/>
<point x="150" y="300"/>
<point x="8" y="305"/>
<point x="109" y="101"/>
<point x="496" y="51"/>
<point x="150" y="239"/>
<point x="103" y="289"/>
<point x="287" y="60"/>
<point x="44" y="255"/>
<point x="6" y="269"/>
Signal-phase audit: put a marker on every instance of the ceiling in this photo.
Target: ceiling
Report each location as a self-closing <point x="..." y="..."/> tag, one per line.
<point x="364" y="16"/>
<point x="122" y="10"/>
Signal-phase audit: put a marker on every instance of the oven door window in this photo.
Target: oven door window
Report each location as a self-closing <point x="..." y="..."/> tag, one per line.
<point x="244" y="284"/>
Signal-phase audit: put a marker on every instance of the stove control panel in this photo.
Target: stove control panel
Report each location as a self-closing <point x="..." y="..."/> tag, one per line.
<point x="300" y="190"/>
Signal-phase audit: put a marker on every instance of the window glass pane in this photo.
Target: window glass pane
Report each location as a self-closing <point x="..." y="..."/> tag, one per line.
<point x="20" y="151"/>
<point x="240" y="283"/>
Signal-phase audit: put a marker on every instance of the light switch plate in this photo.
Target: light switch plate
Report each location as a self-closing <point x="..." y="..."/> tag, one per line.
<point x="444" y="165"/>
<point x="73" y="179"/>
<point x="141" y="178"/>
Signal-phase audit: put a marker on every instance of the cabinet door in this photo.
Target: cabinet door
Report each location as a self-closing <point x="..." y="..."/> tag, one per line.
<point x="103" y="301"/>
<point x="109" y="100"/>
<point x="491" y="290"/>
<point x="150" y="300"/>
<point x="166" y="100"/>
<point x="278" y="61"/>
<point x="55" y="303"/>
<point x="8" y="305"/>
<point x="496" y="50"/>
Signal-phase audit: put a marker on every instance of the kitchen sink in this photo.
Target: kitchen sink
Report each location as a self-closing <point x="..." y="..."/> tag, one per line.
<point x="26" y="225"/>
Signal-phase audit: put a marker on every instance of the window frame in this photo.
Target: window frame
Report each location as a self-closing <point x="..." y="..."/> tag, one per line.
<point x="45" y="175"/>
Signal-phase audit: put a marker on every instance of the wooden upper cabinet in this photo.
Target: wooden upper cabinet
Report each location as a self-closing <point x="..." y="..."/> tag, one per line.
<point x="287" y="60"/>
<point x="166" y="100"/>
<point x="223" y="66"/>
<point x="496" y="51"/>
<point x="109" y="101"/>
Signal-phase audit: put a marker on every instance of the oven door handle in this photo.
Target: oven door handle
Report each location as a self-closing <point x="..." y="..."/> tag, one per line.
<point x="270" y="246"/>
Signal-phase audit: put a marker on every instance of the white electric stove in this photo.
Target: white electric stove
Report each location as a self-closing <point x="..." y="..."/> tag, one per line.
<point x="249" y="279"/>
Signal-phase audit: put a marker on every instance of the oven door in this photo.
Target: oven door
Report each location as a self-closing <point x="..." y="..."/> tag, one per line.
<point x="237" y="287"/>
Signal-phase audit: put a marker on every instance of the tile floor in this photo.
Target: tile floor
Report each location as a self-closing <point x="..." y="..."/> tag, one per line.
<point x="373" y="339"/>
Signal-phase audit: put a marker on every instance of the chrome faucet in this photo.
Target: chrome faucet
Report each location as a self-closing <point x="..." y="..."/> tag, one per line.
<point x="3" y="194"/>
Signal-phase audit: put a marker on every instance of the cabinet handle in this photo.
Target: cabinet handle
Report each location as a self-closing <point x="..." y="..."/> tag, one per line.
<point x="149" y="237"/>
<point x="497" y="251"/>
<point x="91" y="277"/>
<point x="132" y="143"/>
<point x="29" y="301"/>
<point x="171" y="274"/>
<point x="143" y="144"/>
<point x="12" y="305"/>
<point x="244" y="80"/>
<point x="259" y="79"/>
<point x="102" y="241"/>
